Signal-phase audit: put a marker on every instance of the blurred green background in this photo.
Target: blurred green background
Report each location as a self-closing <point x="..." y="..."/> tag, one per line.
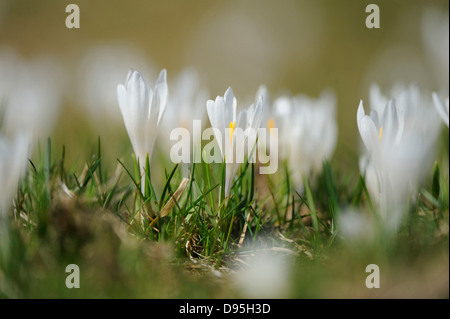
<point x="296" y="46"/>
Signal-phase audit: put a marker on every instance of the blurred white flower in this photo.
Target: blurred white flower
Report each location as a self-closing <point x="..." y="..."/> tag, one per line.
<point x="13" y="159"/>
<point x="441" y="109"/>
<point x="97" y="75"/>
<point x="399" y="138"/>
<point x="266" y="275"/>
<point x="307" y="132"/>
<point x="142" y="109"/>
<point x="222" y="115"/>
<point x="355" y="226"/>
<point x="186" y="103"/>
<point x="30" y="93"/>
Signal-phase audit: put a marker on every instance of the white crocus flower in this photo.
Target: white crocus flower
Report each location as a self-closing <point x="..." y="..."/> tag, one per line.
<point x="307" y="133"/>
<point x="441" y="109"/>
<point x="13" y="158"/>
<point x="142" y="109"/>
<point x="236" y="136"/>
<point x="399" y="142"/>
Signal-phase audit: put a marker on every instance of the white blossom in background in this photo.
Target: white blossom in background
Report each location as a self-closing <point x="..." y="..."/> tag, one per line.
<point x="399" y="137"/>
<point x="266" y="275"/>
<point x="31" y="94"/>
<point x="142" y="110"/>
<point x="267" y="121"/>
<point x="186" y="104"/>
<point x="441" y="109"/>
<point x="355" y="226"/>
<point x="13" y="160"/>
<point x="98" y="72"/>
<point x="222" y="115"/>
<point x="307" y="132"/>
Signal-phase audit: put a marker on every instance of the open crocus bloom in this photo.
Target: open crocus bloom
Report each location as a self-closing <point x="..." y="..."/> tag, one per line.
<point x="236" y="136"/>
<point x="13" y="159"/>
<point x="142" y="109"/>
<point x="441" y="109"/>
<point x="399" y="139"/>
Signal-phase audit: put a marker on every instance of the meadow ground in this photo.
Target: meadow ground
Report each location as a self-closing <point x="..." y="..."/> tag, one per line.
<point x="265" y="241"/>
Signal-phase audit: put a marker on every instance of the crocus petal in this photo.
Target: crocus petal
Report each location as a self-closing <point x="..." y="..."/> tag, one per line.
<point x="360" y="114"/>
<point x="122" y="98"/>
<point x="443" y="112"/>
<point x="230" y="106"/>
<point x="129" y="74"/>
<point x="215" y="110"/>
<point x="137" y="92"/>
<point x="369" y="135"/>
<point x="161" y="92"/>
<point x="376" y="99"/>
<point x="390" y="123"/>
<point x="257" y="116"/>
<point x="374" y="116"/>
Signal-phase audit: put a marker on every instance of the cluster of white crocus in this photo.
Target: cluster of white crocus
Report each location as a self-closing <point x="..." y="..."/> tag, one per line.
<point x="222" y="115"/>
<point x="142" y="109"/>
<point x="13" y="158"/>
<point x="307" y="132"/>
<point x="399" y="136"/>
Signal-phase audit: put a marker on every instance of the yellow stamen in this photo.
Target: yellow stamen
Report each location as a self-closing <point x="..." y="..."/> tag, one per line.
<point x="232" y="126"/>
<point x="380" y="135"/>
<point x="270" y="124"/>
